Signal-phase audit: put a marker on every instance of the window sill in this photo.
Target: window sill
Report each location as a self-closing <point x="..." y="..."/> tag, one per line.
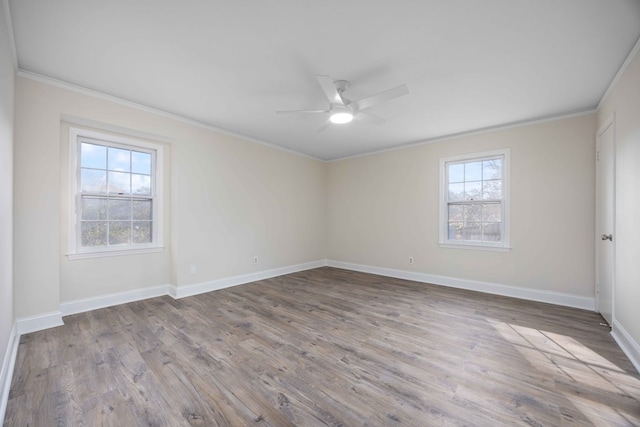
<point x="122" y="252"/>
<point x="475" y="247"/>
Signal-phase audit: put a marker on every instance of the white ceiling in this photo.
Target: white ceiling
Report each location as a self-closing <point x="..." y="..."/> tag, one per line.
<point x="468" y="64"/>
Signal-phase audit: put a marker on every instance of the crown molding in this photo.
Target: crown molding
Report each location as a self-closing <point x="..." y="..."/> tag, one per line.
<point x="619" y="74"/>
<point x="167" y="114"/>
<point x="511" y="125"/>
<point x="153" y="110"/>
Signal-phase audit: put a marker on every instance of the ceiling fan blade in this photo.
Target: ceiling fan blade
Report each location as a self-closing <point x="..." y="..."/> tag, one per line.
<point x="369" y="118"/>
<point x="384" y="96"/>
<point x="324" y="126"/>
<point x="329" y="89"/>
<point x="301" y="111"/>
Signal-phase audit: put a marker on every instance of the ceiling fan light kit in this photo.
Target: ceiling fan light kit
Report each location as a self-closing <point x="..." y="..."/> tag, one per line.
<point x="341" y="117"/>
<point x="343" y="110"/>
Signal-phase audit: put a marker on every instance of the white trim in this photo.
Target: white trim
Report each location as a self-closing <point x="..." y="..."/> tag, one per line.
<point x="109" y="300"/>
<point x="496" y="128"/>
<point x="8" y="364"/>
<point x="12" y="40"/>
<point x="606" y="124"/>
<point x="443" y="240"/>
<point x="474" y="247"/>
<point x="39" y="322"/>
<point x="619" y="74"/>
<point x="176" y="292"/>
<point x="74" y="251"/>
<point x="153" y="110"/>
<point x="114" y="252"/>
<point x="609" y="123"/>
<point x="214" y="285"/>
<point x="551" y="297"/>
<point x="626" y="342"/>
<point x="172" y="291"/>
<point x="100" y="126"/>
<point x="89" y="92"/>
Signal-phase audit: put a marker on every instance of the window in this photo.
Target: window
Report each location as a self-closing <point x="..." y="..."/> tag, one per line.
<point x="115" y="201"/>
<point x="474" y="208"/>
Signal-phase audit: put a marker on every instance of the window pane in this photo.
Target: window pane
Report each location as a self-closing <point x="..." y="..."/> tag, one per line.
<point x="119" y="232"/>
<point x="472" y="213"/>
<point x="456" y="192"/>
<point x="93" y="233"/>
<point x="492" y="169"/>
<point x="492" y="190"/>
<point x="474" y="198"/>
<point x="141" y="184"/>
<point x="141" y="209"/>
<point x="473" y="190"/>
<point x="473" y="171"/>
<point x="141" y="162"/>
<point x="491" y="232"/>
<point x="456" y="230"/>
<point x="114" y="194"/>
<point x="93" y="156"/>
<point x="456" y="173"/>
<point x="119" y="160"/>
<point x="456" y="212"/>
<point x="119" y="209"/>
<point x="491" y="212"/>
<point x="93" y="181"/>
<point x="473" y="230"/>
<point x="94" y="208"/>
<point x="119" y="182"/>
<point x="142" y="232"/>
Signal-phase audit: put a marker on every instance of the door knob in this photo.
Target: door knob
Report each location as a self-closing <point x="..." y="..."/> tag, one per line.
<point x="607" y="237"/>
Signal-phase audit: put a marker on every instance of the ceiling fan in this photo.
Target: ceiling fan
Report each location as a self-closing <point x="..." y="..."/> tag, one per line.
<point x="343" y="110"/>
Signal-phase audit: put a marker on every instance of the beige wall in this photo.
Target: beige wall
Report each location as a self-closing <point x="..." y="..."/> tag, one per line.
<point x="227" y="200"/>
<point x="7" y="75"/>
<point x="236" y="200"/>
<point x="624" y="101"/>
<point x="383" y="208"/>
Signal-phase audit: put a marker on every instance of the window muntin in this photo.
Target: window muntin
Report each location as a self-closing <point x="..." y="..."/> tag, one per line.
<point x="116" y="199"/>
<point x="474" y="208"/>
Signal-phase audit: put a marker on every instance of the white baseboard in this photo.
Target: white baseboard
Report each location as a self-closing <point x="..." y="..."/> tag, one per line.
<point x="626" y="342"/>
<point x="214" y="285"/>
<point x="109" y="300"/>
<point x="551" y="297"/>
<point x="6" y="374"/>
<point x="39" y="322"/>
<point x="172" y="291"/>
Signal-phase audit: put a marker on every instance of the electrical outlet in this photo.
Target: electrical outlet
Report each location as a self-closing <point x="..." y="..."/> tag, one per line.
<point x="193" y="269"/>
<point x="255" y="259"/>
<point x="410" y="260"/>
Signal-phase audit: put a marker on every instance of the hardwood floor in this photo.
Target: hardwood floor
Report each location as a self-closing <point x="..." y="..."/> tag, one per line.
<point x="325" y="347"/>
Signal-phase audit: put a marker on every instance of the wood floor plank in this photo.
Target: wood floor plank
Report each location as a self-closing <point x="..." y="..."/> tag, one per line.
<point x="326" y="347"/>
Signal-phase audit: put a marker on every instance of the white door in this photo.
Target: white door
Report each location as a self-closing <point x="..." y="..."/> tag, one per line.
<point x="605" y="211"/>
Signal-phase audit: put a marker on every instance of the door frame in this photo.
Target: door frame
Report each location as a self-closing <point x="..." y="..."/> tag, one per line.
<point x="609" y="122"/>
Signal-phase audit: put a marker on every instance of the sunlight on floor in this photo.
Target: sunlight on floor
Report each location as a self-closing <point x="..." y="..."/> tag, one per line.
<point x="580" y="374"/>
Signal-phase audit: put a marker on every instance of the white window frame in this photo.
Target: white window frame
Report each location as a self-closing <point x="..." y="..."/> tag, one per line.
<point x="75" y="250"/>
<point x="444" y="241"/>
